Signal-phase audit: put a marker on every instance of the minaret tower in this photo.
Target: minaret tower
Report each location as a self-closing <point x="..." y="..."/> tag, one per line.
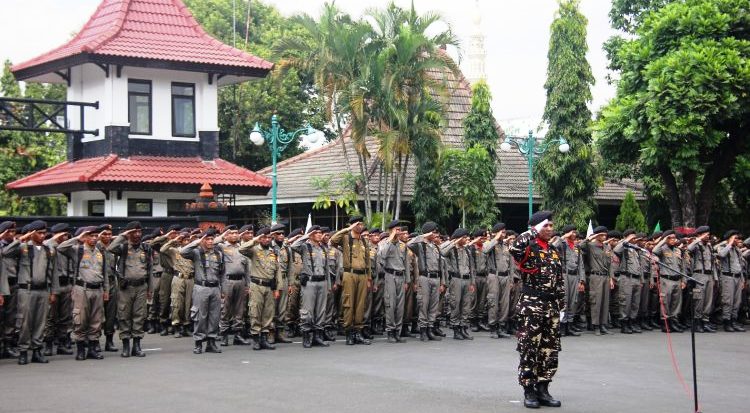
<point x="477" y="53"/>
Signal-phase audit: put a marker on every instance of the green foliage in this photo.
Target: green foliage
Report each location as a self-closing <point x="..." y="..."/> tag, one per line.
<point x="682" y="101"/>
<point x="23" y="153"/>
<point x="342" y="194"/>
<point x="630" y="215"/>
<point x="463" y="175"/>
<point x="568" y="181"/>
<point x="289" y="94"/>
<point x="627" y="15"/>
<point x="479" y="124"/>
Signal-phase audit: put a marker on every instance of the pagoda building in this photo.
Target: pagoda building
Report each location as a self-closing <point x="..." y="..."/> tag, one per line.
<point x="151" y="139"/>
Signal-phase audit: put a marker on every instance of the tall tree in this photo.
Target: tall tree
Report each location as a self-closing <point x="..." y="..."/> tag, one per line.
<point x="462" y="173"/>
<point x="683" y="101"/>
<point x="630" y="215"/>
<point x="568" y="181"/>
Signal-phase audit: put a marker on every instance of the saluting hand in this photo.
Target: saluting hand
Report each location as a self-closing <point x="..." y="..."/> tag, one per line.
<point x="52" y="298"/>
<point x="105" y="296"/>
<point x="472" y="288"/>
<point x="276" y="294"/>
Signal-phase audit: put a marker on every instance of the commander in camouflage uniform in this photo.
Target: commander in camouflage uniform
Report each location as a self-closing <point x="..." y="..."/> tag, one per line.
<point x="542" y="299"/>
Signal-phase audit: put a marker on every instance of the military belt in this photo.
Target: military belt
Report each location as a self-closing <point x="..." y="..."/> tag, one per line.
<point x="629" y="275"/>
<point x="604" y="274"/>
<point x="537" y="293"/>
<point x="730" y="274"/>
<point x="318" y="278"/>
<point x="236" y="277"/>
<point x="704" y="272"/>
<point x="12" y="281"/>
<point x="572" y="272"/>
<point x="136" y="283"/>
<point x="356" y="271"/>
<point x="431" y="274"/>
<point x="156" y="275"/>
<point x="64" y="281"/>
<point x="502" y="274"/>
<point x="394" y="272"/>
<point x="90" y="286"/>
<point x="208" y="283"/>
<point x="671" y="277"/>
<point x="457" y="275"/>
<point x="261" y="282"/>
<point x="481" y="274"/>
<point x="32" y="287"/>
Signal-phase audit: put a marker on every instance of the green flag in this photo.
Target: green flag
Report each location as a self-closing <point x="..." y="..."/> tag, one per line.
<point x="657" y="228"/>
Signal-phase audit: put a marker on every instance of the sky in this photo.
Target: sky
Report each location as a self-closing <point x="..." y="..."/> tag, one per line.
<point x="516" y="40"/>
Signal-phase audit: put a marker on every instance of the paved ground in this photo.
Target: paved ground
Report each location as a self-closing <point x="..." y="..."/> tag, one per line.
<point x="610" y="374"/>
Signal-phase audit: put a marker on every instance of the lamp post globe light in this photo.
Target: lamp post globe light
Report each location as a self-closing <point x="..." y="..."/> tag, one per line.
<point x="278" y="140"/>
<point x="531" y="150"/>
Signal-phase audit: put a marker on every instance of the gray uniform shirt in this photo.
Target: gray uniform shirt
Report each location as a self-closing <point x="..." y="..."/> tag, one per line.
<point x="92" y="264"/>
<point x="314" y="257"/>
<point x="136" y="262"/>
<point x="428" y="256"/>
<point x="456" y="259"/>
<point x="730" y="258"/>
<point x="597" y="257"/>
<point x="498" y="255"/>
<point x="63" y="264"/>
<point x="36" y="264"/>
<point x="629" y="261"/>
<point x="478" y="259"/>
<point x="208" y="265"/>
<point x="671" y="256"/>
<point x="572" y="258"/>
<point x="394" y="257"/>
<point x="235" y="263"/>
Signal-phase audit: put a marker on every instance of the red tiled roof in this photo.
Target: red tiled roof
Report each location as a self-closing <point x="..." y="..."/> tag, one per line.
<point x="148" y="29"/>
<point x="144" y="170"/>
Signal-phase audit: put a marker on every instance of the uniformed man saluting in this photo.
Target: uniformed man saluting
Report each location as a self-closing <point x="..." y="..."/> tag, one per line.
<point x="393" y="256"/>
<point x="265" y="276"/>
<point x="542" y="299"/>
<point x="90" y="291"/>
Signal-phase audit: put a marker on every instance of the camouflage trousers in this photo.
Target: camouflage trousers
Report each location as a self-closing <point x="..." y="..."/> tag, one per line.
<point x="538" y="340"/>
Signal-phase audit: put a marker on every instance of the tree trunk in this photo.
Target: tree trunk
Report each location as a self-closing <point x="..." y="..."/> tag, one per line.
<point x="366" y="182"/>
<point x="673" y="194"/>
<point x="687" y="198"/>
<point x="400" y="194"/>
<point x="379" y="201"/>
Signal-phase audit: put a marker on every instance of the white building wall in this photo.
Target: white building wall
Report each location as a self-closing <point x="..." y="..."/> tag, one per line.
<point x="113" y="207"/>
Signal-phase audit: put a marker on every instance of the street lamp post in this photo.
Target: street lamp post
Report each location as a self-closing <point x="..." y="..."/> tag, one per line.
<point x="530" y="149"/>
<point x="278" y="140"/>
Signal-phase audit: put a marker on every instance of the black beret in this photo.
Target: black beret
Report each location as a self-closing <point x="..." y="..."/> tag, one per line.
<point x="428" y="227"/>
<point x="479" y="233"/>
<point x="6" y="225"/>
<point x="148" y="237"/>
<point x="510" y="232"/>
<point x="702" y="229"/>
<point x="668" y="233"/>
<point x="567" y="229"/>
<point x="230" y="228"/>
<point x="393" y="224"/>
<point x="313" y="228"/>
<point x="37" y="225"/>
<point x="375" y="231"/>
<point x="413" y="234"/>
<point x="156" y="232"/>
<point x="614" y="234"/>
<point x="627" y="232"/>
<point x="730" y="233"/>
<point x="263" y="231"/>
<point x="61" y="227"/>
<point x="278" y="228"/>
<point x="248" y="227"/>
<point x="174" y="227"/>
<point x="104" y="227"/>
<point x="459" y="232"/>
<point x="298" y="231"/>
<point x="211" y="232"/>
<point x="746" y="242"/>
<point x="539" y="216"/>
<point x="601" y="229"/>
<point x="81" y="230"/>
<point x="641" y="235"/>
<point x="325" y="230"/>
<point x="133" y="225"/>
<point x="498" y="227"/>
<point x="356" y="218"/>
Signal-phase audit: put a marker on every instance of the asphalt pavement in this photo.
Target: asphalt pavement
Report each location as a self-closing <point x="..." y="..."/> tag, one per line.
<point x="613" y="373"/>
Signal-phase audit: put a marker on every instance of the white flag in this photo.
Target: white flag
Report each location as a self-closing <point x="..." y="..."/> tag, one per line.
<point x="309" y="222"/>
<point x="589" y="231"/>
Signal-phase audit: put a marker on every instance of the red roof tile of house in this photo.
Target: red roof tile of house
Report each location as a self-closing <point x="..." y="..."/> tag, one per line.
<point x="142" y="170"/>
<point x="162" y="30"/>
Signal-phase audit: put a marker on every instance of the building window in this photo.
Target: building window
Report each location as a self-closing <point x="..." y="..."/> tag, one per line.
<point x="176" y="207"/>
<point x="96" y="208"/>
<point x="183" y="110"/>
<point x="139" y="208"/>
<point x="139" y="106"/>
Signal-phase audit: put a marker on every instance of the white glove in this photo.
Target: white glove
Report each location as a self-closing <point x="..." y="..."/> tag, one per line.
<point x="538" y="227"/>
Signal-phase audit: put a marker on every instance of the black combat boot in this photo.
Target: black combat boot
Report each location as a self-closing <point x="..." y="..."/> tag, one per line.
<point x="150" y="328"/>
<point x="366" y="333"/>
<point x="240" y="341"/>
<point x="457" y="334"/>
<point x="136" y="351"/>
<point x="405" y="332"/>
<point x="674" y="326"/>
<point x="397" y="336"/>
<point x="391" y="337"/>
<point x="350" y="338"/>
<point x="264" y="344"/>
<point x="737" y="326"/>
<point x="279" y="336"/>
<point x="65" y="347"/>
<point x="327" y="335"/>
<point x="93" y="352"/>
<point x="224" y="340"/>
<point x="307" y="339"/>
<point x="603" y="329"/>
<point x="502" y="331"/>
<point x="474" y="327"/>
<point x="125" y="348"/>
<point x="165" y="329"/>
<point x="48" y="347"/>
<point x="437" y="331"/>
<point x="569" y="332"/>
<point x="465" y="332"/>
<point x="656" y="322"/>
<point x="38" y="357"/>
<point x="423" y="334"/>
<point x="256" y="342"/>
<point x="177" y="331"/>
<point x="530" y="398"/>
<point x="198" y="349"/>
<point x="291" y="330"/>
<point x="707" y="327"/>
<point x="728" y="326"/>
<point x="625" y="326"/>
<point x="358" y="339"/>
<point x="483" y="326"/>
<point x="697" y="326"/>
<point x="635" y="325"/>
<point x="545" y="399"/>
<point x="23" y="357"/>
<point x="431" y="336"/>
<point x="80" y="350"/>
<point x="211" y="346"/>
<point x="645" y="325"/>
<point x="109" y="344"/>
<point x="318" y="340"/>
